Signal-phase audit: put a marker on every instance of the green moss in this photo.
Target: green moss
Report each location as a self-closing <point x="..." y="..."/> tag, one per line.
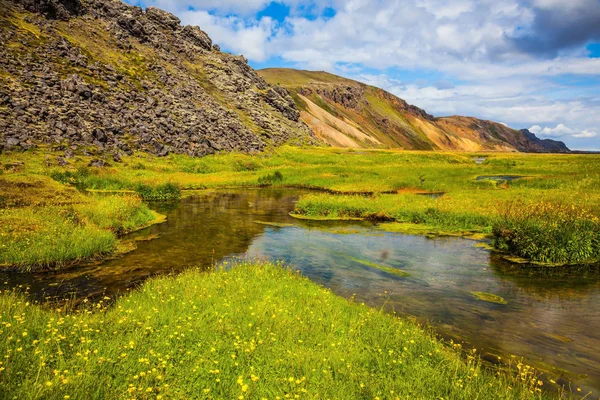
<point x="380" y="267"/>
<point x="323" y="218"/>
<point x="274" y="224"/>
<point x="488" y="297"/>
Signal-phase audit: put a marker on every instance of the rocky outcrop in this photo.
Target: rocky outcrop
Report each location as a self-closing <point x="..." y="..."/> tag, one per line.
<point x="115" y="78"/>
<point x="280" y="99"/>
<point x="54" y="9"/>
<point x="548" y="145"/>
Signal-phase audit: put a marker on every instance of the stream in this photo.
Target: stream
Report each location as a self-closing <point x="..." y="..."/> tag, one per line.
<point x="552" y="320"/>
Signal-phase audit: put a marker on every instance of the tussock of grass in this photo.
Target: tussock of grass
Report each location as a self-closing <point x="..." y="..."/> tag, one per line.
<point x="488" y="297"/>
<point x="436" y="213"/>
<point x="53" y="237"/>
<point x="549" y="232"/>
<point x="255" y="331"/>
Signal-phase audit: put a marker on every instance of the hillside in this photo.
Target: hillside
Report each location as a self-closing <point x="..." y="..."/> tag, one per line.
<point x="346" y="113"/>
<point x="103" y="77"/>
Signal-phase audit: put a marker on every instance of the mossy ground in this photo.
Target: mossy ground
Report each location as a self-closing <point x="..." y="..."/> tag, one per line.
<point x="46" y="224"/>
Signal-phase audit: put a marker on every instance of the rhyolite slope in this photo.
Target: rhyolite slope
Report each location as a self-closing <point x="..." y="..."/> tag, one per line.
<point x="347" y="113"/>
<point x="103" y="77"/>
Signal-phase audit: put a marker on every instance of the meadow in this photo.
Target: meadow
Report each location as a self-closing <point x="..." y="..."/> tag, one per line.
<point x="441" y="193"/>
<point x="247" y="331"/>
<point x="46" y="225"/>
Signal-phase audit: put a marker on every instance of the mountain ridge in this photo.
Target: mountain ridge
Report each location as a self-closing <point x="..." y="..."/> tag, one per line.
<point x="386" y="120"/>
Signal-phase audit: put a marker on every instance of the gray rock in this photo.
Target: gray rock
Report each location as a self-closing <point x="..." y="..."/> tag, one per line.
<point x="163" y="17"/>
<point x="98" y="164"/>
<point x="197" y="36"/>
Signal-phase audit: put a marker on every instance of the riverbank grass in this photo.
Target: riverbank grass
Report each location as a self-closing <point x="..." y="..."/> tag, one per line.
<point x="250" y="331"/>
<point x="58" y="236"/>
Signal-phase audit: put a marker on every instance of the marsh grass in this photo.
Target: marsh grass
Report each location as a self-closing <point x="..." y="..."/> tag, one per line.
<point x="54" y="237"/>
<point x="249" y="332"/>
<point x="163" y="192"/>
<point x="548" y="232"/>
<point x="439" y="213"/>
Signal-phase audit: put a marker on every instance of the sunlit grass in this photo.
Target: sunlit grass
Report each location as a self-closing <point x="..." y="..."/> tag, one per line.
<point x="55" y="236"/>
<point x="254" y="331"/>
<point x="391" y="179"/>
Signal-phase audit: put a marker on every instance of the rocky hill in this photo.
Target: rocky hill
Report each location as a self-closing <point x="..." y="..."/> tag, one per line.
<point x="103" y="77"/>
<point x="346" y="113"/>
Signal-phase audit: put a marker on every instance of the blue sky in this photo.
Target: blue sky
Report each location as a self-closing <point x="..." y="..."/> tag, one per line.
<point x="526" y="63"/>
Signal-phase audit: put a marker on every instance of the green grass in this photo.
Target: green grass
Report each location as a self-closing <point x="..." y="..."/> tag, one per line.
<point x="549" y="233"/>
<point x="488" y="297"/>
<point x="392" y="180"/>
<point x="164" y="192"/>
<point x="255" y="331"/>
<point x="55" y="236"/>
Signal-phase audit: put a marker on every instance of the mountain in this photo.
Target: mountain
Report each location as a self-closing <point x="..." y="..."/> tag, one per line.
<point x="101" y="76"/>
<point x="347" y="113"/>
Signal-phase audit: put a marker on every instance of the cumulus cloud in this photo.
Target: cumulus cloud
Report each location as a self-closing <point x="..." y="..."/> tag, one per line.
<point x="236" y="34"/>
<point x="561" y="131"/>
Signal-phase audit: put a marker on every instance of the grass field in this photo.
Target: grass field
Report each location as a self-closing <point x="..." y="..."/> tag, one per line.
<point x="250" y="331"/>
<point x="381" y="185"/>
<point x="49" y="225"/>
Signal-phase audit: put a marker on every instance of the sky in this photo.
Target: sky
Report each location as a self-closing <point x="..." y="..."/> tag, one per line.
<point x="526" y="63"/>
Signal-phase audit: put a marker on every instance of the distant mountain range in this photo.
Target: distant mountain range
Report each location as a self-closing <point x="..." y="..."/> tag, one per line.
<point x="104" y="77"/>
<point x="346" y="113"/>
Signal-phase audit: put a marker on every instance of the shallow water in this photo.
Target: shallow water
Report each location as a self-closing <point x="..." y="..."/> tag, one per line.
<point x="499" y="177"/>
<point x="548" y="319"/>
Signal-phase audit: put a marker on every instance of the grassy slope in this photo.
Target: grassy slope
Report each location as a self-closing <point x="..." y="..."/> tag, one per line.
<point x="296" y="78"/>
<point x="257" y="331"/>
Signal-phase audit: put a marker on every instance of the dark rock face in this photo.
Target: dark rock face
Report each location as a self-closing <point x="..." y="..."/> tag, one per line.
<point x="162" y="17"/>
<point x="54" y="9"/>
<point x="153" y="86"/>
<point x="546" y="145"/>
<point x="280" y="99"/>
<point x="197" y="37"/>
<point x="348" y="96"/>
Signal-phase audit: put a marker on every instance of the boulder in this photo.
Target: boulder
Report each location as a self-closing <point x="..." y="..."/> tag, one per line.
<point x="54" y="9"/>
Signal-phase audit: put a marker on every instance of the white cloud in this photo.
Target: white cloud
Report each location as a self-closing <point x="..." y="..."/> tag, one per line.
<point x="586" y="134"/>
<point x="561" y="131"/>
<point x="234" y="33"/>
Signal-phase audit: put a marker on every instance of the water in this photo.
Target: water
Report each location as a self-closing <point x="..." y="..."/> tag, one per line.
<point x="499" y="177"/>
<point x="548" y="319"/>
<point x="432" y="195"/>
